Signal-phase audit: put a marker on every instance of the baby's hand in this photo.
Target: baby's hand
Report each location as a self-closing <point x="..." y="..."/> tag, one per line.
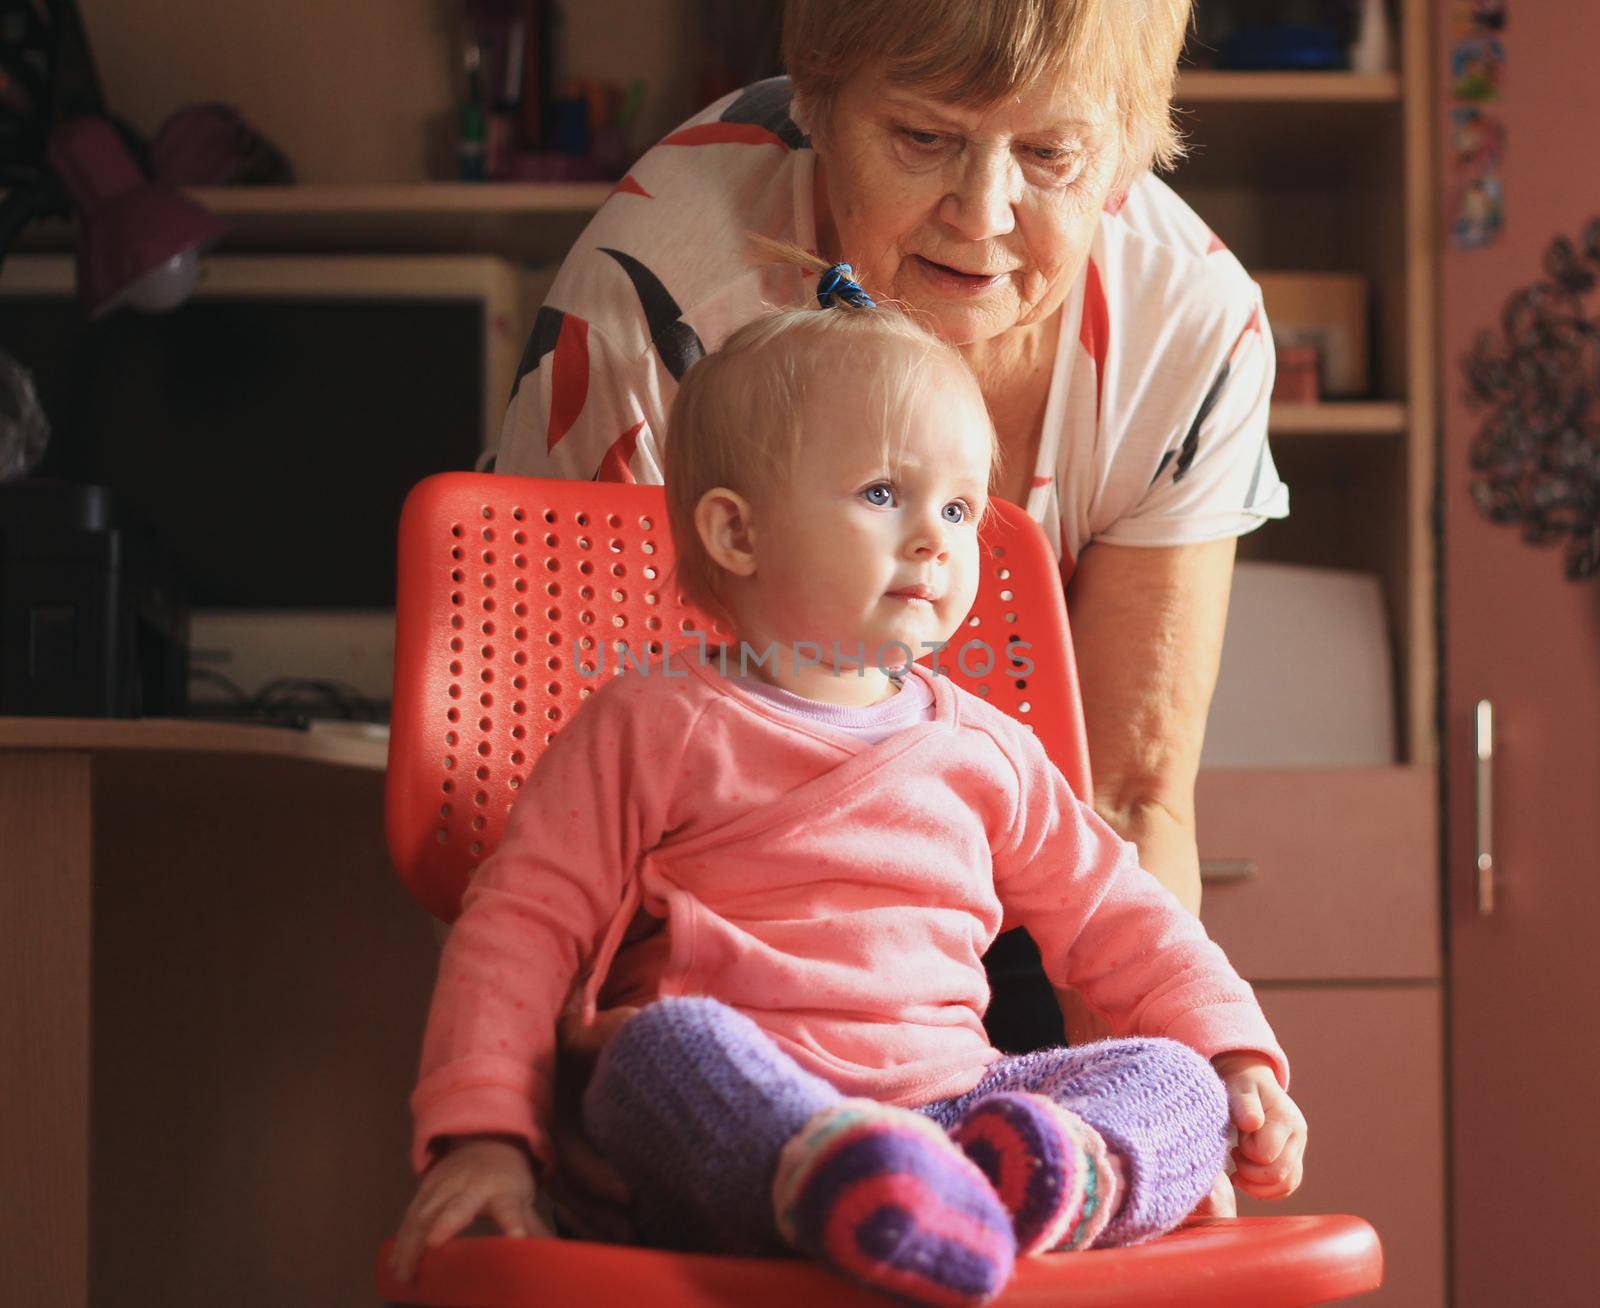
<point x="1272" y="1130"/>
<point x="479" y="1176"/>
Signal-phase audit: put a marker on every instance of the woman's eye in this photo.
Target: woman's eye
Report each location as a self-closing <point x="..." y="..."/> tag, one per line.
<point x="1063" y="162"/>
<point x="923" y="140"/>
<point x="879" y="496"/>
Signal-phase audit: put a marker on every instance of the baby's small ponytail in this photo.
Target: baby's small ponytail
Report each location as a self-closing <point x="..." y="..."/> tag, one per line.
<point x="836" y="286"/>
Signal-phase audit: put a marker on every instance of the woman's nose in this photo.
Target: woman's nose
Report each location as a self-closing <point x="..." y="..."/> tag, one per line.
<point x="979" y="204"/>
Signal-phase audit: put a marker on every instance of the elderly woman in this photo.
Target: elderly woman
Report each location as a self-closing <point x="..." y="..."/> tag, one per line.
<point x="987" y="162"/>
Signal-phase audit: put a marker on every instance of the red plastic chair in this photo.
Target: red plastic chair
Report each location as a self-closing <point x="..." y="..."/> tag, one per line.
<point x="504" y="581"/>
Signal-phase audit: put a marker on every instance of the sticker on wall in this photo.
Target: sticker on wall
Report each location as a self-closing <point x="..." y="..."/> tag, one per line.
<point x="1477" y="69"/>
<point x="1477" y="136"/>
<point x="1479" y="17"/>
<point x="1477" y="140"/>
<point x="1477" y="213"/>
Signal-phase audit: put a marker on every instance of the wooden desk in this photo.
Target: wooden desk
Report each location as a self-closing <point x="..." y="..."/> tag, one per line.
<point x="211" y="1000"/>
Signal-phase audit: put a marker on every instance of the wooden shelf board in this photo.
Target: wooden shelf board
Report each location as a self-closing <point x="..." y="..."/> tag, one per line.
<point x="1213" y="87"/>
<point x="405" y="198"/>
<point x="532" y="222"/>
<point x="1351" y="418"/>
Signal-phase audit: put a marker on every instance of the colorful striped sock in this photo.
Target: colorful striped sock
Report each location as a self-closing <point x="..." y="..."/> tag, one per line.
<point x="1102" y="1190"/>
<point x="1048" y="1166"/>
<point x="882" y="1195"/>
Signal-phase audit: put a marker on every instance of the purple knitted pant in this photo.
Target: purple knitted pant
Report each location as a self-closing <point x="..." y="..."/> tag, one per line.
<point x="692" y="1104"/>
<point x="1156" y="1103"/>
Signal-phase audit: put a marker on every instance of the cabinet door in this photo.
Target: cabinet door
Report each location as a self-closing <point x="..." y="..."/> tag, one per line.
<point x="1366" y="1063"/>
<point x="1525" y="1066"/>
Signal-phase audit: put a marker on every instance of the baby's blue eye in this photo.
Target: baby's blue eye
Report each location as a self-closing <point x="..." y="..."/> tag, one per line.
<point x="880" y="496"/>
<point x="955" y="512"/>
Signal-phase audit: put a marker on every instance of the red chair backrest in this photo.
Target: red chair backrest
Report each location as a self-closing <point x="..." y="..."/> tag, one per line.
<point x="503" y="580"/>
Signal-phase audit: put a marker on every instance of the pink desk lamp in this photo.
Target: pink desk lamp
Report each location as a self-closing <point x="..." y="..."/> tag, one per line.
<point x="139" y="241"/>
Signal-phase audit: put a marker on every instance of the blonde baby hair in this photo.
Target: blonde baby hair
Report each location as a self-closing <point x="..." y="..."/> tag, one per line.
<point x="737" y="420"/>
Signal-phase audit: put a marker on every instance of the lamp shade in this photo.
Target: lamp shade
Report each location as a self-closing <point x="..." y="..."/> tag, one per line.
<point x="139" y="240"/>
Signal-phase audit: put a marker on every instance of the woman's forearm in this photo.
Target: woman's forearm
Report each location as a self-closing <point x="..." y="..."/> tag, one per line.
<point x="1147" y="628"/>
<point x="1167" y="848"/>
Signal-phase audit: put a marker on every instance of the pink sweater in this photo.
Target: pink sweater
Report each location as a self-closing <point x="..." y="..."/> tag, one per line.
<point x="841" y="895"/>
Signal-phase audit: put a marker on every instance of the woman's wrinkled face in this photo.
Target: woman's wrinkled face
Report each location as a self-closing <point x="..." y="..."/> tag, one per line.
<point x="981" y="218"/>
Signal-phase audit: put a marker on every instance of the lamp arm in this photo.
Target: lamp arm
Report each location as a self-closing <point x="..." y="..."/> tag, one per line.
<point x="75" y="87"/>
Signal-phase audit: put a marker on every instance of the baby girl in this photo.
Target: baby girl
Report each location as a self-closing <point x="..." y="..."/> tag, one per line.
<point x="790" y="860"/>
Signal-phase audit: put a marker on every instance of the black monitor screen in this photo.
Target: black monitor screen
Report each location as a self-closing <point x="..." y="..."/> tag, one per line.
<point x="271" y="442"/>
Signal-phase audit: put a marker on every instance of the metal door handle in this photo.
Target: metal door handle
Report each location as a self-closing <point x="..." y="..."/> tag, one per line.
<point x="1483" y="742"/>
<point x="1221" y="870"/>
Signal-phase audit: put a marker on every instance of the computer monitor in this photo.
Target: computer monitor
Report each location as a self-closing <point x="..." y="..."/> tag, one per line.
<point x="271" y="428"/>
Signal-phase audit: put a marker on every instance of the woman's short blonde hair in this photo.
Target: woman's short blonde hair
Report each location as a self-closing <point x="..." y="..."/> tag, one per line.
<point x="978" y="52"/>
<point x="738" y="418"/>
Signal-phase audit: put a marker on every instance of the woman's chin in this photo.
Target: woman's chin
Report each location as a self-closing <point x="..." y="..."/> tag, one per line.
<point x="965" y="321"/>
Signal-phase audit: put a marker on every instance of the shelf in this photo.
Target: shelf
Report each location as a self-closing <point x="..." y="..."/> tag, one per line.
<point x="1205" y="87"/>
<point x="527" y="221"/>
<point x="360" y="199"/>
<point x="1349" y="418"/>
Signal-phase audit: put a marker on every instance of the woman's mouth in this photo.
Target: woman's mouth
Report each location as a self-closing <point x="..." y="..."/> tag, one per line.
<point x="954" y="281"/>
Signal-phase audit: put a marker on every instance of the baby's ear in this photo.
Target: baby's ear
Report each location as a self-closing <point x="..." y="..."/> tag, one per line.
<point x="727" y="530"/>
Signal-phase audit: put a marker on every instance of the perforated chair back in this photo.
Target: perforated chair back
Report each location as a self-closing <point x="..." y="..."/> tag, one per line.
<point x="514" y="593"/>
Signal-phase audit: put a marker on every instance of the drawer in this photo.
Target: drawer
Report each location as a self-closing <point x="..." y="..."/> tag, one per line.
<point x="1321" y="874"/>
<point x="1368" y="1074"/>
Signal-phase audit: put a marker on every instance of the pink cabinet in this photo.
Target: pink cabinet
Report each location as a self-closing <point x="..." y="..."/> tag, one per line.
<point x="1322" y="885"/>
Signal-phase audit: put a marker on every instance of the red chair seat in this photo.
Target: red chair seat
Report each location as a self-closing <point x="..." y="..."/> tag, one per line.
<point x="1248" y="1262"/>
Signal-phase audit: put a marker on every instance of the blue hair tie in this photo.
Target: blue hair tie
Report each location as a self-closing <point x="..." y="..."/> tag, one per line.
<point x="839" y="283"/>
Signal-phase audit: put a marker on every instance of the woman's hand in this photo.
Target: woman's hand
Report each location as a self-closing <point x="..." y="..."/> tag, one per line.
<point x="1220" y="1202"/>
<point x="480" y="1176"/>
<point x="591" y="1197"/>
<point x="1270" y="1155"/>
<point x="1084" y="1025"/>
